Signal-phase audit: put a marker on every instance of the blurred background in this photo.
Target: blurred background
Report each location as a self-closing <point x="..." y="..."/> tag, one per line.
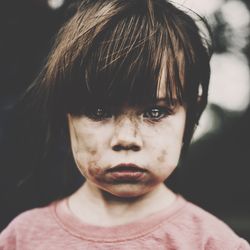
<point x="216" y="172"/>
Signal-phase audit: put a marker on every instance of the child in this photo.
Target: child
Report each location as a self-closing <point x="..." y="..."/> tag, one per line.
<point x="131" y="78"/>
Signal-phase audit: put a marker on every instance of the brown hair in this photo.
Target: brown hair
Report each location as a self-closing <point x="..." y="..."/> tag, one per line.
<point x="115" y="51"/>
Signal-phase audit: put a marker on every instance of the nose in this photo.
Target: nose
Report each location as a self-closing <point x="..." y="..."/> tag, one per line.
<point x="126" y="136"/>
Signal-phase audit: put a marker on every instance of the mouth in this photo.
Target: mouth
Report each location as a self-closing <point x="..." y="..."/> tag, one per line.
<point x="124" y="167"/>
<point x="126" y="172"/>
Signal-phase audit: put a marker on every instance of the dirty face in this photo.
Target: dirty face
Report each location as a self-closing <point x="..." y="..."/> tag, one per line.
<point x="130" y="151"/>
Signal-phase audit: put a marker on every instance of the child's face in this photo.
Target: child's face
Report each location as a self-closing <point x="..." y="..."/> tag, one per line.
<point x="108" y="145"/>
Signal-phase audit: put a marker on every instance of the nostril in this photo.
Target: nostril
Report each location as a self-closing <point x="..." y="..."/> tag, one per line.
<point x="129" y="147"/>
<point x="117" y="148"/>
<point x="135" y="148"/>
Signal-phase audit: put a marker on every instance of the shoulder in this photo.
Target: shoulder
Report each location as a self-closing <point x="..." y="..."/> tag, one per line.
<point x="27" y="224"/>
<point x="33" y="217"/>
<point x="207" y="230"/>
<point x="205" y="221"/>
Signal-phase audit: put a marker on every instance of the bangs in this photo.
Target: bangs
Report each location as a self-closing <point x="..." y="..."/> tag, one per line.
<point x="124" y="64"/>
<point x="132" y="56"/>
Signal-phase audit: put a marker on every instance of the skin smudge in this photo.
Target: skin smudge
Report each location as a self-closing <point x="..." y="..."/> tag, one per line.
<point x="161" y="158"/>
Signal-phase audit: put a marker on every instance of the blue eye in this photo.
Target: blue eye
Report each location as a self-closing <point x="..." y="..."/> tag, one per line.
<point x="157" y="113"/>
<point x="99" y="113"/>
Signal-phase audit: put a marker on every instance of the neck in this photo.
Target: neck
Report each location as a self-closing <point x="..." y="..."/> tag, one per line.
<point x="95" y="206"/>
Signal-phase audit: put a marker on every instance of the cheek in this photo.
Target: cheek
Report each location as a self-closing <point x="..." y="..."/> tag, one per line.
<point x="164" y="164"/>
<point x="168" y="154"/>
<point x="162" y="156"/>
<point x="87" y="163"/>
<point x="166" y="160"/>
<point x="85" y="142"/>
<point x="86" y="150"/>
<point x="165" y="149"/>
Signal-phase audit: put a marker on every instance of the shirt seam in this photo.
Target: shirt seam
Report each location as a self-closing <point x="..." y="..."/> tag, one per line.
<point x="129" y="238"/>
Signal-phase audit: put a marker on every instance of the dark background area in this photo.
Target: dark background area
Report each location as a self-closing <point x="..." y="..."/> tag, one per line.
<point x="215" y="175"/>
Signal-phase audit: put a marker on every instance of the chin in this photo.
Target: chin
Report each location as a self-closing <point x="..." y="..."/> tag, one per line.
<point x="127" y="195"/>
<point x="127" y="192"/>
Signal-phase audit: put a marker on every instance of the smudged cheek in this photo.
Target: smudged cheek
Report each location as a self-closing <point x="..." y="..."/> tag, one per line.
<point x="164" y="165"/>
<point x="89" y="165"/>
<point x="162" y="156"/>
<point x="165" y="149"/>
<point x="169" y="157"/>
<point x="88" y="157"/>
<point x="85" y="141"/>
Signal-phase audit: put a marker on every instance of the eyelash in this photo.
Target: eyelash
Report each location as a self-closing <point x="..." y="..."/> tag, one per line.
<point x="162" y="113"/>
<point x="101" y="114"/>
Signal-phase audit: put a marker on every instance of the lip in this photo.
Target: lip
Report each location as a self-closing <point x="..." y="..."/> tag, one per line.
<point x="124" y="167"/>
<point x="126" y="172"/>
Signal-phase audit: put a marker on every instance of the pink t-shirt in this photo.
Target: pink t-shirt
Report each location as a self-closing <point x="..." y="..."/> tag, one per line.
<point x="182" y="226"/>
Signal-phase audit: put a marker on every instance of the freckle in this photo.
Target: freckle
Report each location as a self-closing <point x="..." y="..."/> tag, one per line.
<point x="92" y="151"/>
<point x="162" y="156"/>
